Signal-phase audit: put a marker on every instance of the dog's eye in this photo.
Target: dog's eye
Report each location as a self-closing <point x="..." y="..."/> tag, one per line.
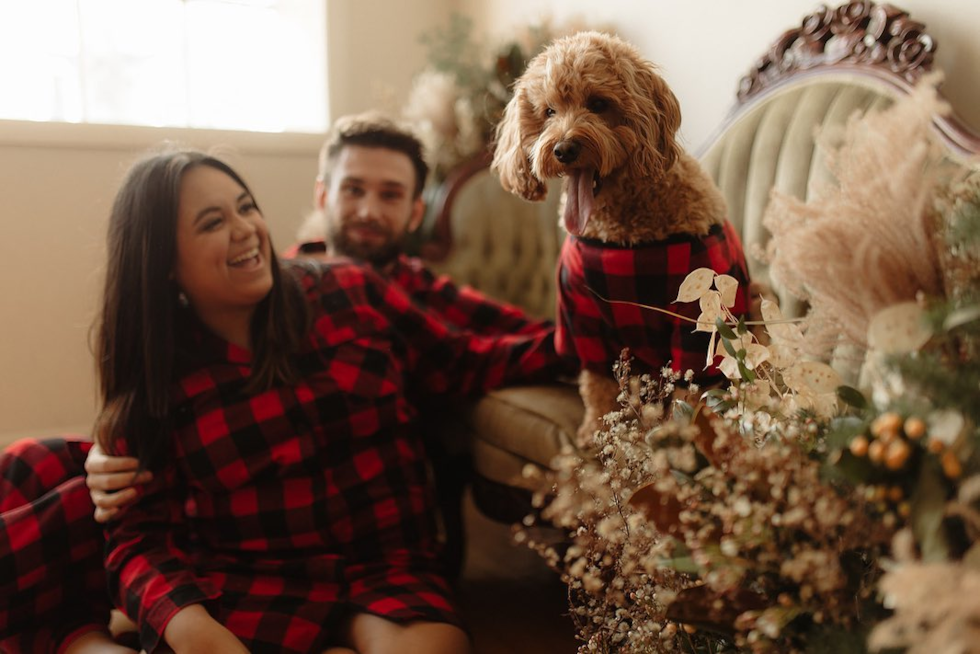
<point x="549" y="112"/>
<point x="597" y="105"/>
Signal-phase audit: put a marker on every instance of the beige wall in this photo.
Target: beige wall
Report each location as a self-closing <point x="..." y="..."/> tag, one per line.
<point x="56" y="181"/>
<point x="704" y="46"/>
<point x="373" y="50"/>
<point x="57" y="185"/>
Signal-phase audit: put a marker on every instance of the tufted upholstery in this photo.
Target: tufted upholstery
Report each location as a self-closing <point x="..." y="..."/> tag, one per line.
<point x="771" y="146"/>
<point x="504" y="245"/>
<point x="508" y="247"/>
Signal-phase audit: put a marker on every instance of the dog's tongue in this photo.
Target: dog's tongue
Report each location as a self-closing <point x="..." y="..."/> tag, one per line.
<point x="578" y="199"/>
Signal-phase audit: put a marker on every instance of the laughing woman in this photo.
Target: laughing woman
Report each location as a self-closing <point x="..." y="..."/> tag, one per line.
<point x="289" y="508"/>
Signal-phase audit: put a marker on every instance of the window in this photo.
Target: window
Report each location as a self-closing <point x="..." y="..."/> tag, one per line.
<point x="253" y="65"/>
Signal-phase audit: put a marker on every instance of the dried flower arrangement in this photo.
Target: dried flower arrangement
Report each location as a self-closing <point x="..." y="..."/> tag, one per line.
<point x="788" y="512"/>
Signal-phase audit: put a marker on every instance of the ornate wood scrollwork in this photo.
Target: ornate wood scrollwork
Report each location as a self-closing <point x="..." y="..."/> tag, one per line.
<point x="861" y="33"/>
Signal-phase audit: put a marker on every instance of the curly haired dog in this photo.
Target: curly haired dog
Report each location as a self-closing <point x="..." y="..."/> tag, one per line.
<point x="640" y="211"/>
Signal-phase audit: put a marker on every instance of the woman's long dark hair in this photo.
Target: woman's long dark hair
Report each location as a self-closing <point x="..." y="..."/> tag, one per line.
<point x="136" y="337"/>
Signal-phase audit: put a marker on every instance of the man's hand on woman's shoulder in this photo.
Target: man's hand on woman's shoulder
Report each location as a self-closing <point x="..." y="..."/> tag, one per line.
<point x="111" y="481"/>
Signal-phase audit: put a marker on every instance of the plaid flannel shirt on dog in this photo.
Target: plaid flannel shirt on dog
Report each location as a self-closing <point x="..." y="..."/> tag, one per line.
<point x="308" y="499"/>
<point x="594" y="279"/>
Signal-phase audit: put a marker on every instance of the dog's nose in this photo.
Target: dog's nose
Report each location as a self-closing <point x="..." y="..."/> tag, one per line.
<point x="567" y="151"/>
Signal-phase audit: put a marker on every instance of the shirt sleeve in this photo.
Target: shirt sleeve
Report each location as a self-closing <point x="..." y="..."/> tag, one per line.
<point x="149" y="574"/>
<point x="465" y="308"/>
<point x="439" y="359"/>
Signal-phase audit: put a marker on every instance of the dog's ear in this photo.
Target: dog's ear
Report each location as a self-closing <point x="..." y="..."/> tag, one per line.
<point x="510" y="159"/>
<point x="655" y="122"/>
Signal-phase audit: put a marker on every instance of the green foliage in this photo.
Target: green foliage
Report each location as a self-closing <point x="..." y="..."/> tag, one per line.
<point x="451" y="49"/>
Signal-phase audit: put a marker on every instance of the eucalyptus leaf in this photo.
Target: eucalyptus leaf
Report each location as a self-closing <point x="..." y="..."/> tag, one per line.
<point x="720" y="406"/>
<point x="926" y="519"/>
<point x="684" y="564"/>
<point x="747" y="374"/>
<point x="724" y="329"/>
<point x="962" y="316"/>
<point x="853" y="397"/>
<point x="729" y="347"/>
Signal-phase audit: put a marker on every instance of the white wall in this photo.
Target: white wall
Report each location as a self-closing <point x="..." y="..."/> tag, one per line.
<point x="56" y="181"/>
<point x="703" y="47"/>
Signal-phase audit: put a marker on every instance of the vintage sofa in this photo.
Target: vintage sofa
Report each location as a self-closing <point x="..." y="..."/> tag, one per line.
<point x="852" y="58"/>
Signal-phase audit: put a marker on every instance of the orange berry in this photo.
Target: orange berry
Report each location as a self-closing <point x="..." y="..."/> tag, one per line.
<point x="690" y="628"/>
<point x="859" y="446"/>
<point x="936" y="446"/>
<point x="876" y="451"/>
<point x="915" y="428"/>
<point x="886" y="425"/>
<point x="895" y="494"/>
<point x="897" y="454"/>
<point x="951" y="465"/>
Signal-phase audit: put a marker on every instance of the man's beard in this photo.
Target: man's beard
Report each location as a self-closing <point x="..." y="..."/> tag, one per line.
<point x="378" y="256"/>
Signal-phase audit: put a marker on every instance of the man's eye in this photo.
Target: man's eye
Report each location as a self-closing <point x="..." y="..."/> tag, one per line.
<point x="597" y="105"/>
<point x="549" y="112"/>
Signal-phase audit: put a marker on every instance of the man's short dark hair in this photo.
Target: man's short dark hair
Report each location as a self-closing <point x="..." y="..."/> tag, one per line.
<point x="374" y="130"/>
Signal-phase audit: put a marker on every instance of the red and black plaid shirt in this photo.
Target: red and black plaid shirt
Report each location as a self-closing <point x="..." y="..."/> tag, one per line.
<point x="461" y="307"/>
<point x="52" y="585"/>
<point x="51" y="549"/>
<point x="281" y="508"/>
<point x="594" y="277"/>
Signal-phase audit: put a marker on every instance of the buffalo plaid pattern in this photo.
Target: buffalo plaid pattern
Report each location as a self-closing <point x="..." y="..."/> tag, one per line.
<point x="51" y="580"/>
<point x="461" y="307"/>
<point x="285" y="508"/>
<point x="596" y="280"/>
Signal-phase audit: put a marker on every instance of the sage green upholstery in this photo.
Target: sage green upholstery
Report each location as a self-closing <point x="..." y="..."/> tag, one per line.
<point x="504" y="245"/>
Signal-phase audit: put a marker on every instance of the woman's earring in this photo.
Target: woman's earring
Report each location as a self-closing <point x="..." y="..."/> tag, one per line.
<point x="182" y="299"/>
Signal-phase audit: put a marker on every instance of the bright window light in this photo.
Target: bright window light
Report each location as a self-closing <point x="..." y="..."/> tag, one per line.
<point x="252" y="65"/>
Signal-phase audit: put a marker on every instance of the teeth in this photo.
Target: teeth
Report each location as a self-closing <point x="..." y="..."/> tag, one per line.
<point x="245" y="256"/>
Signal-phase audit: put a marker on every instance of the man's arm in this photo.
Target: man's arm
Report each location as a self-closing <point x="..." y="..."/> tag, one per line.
<point x="461" y="307"/>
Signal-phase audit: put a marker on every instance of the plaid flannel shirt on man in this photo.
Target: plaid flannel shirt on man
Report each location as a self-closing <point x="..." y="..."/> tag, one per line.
<point x="309" y="498"/>
<point x="461" y="307"/>
<point x="602" y="286"/>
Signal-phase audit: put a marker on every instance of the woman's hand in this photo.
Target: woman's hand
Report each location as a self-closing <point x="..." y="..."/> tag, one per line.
<point x="110" y="481"/>
<point x="193" y="630"/>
